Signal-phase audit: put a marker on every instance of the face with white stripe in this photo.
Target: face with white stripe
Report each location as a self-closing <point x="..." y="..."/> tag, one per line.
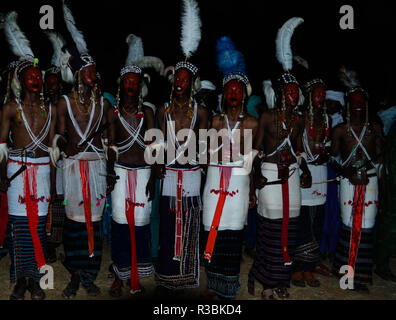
<point x="233" y="93"/>
<point x="33" y="80"/>
<point x="357" y="102"/>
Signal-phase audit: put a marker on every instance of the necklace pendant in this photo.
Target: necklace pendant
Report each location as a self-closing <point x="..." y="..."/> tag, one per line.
<point x="18" y="114"/>
<point x="43" y="113"/>
<point x="190" y="113"/>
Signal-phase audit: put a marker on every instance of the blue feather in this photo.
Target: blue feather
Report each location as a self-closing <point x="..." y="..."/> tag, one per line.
<point x="229" y="59"/>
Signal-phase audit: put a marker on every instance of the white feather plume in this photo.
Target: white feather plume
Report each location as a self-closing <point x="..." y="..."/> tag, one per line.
<point x="151" y="62"/>
<point x="349" y="78"/>
<point x="301" y="61"/>
<point x="77" y="35"/>
<point x="19" y="44"/>
<point x="284" y="53"/>
<point x="269" y="94"/>
<point x="135" y="49"/>
<point x="57" y="43"/>
<point x="191" y="28"/>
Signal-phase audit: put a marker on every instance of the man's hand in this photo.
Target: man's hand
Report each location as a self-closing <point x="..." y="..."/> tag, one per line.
<point x="150" y="189"/>
<point x="359" y="179"/>
<point x="306" y="180"/>
<point x="323" y="158"/>
<point x="252" y="199"/>
<point x="4" y="185"/>
<point x="260" y="181"/>
<point x="159" y="171"/>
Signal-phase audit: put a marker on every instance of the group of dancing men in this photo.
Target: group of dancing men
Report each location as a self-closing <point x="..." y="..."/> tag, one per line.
<point x="305" y="159"/>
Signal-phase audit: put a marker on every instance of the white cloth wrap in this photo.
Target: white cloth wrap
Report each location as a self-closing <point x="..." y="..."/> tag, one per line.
<point x="347" y="192"/>
<point x="16" y="190"/>
<point x="235" y="207"/>
<point x="122" y="192"/>
<point x="270" y="204"/>
<point x="73" y="189"/>
<point x="316" y="195"/>
<point x="191" y="182"/>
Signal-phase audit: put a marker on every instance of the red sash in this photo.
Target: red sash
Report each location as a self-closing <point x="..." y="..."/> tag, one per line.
<point x="225" y="175"/>
<point x="357" y="214"/>
<point x="32" y="212"/>
<point x="130" y="204"/>
<point x="283" y="173"/>
<point x="86" y="191"/>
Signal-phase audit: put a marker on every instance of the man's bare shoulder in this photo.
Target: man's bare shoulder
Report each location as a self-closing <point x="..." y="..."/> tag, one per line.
<point x="10" y="107"/>
<point x="251" y="122"/>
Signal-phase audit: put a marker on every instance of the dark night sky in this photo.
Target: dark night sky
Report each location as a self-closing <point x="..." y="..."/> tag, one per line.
<point x="252" y="25"/>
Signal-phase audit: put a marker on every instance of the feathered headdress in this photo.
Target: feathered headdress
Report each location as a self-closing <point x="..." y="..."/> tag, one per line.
<point x="190" y="34"/>
<point x="231" y="63"/>
<point x="269" y="94"/>
<point x="136" y="61"/>
<point x="20" y="46"/>
<point x="58" y="43"/>
<point x="72" y="60"/>
<point x="350" y="80"/>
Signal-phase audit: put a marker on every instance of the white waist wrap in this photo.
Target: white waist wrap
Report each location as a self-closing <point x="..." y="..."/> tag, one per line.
<point x="316" y="195"/>
<point x="72" y="186"/>
<point x="191" y="182"/>
<point x="347" y="192"/>
<point x="236" y="203"/>
<point x="122" y="192"/>
<point x="270" y="204"/>
<point x="38" y="171"/>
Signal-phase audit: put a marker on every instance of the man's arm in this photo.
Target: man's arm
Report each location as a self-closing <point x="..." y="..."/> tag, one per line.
<point x="305" y="178"/>
<point x="52" y="168"/>
<point x="6" y="118"/>
<point x="259" y="179"/>
<point x="150" y="123"/>
<point x="111" y="150"/>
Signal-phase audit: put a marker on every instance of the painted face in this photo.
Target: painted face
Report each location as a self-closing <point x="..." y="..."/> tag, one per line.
<point x="318" y="97"/>
<point x="52" y="84"/>
<point x="182" y="81"/>
<point x="130" y="84"/>
<point x="292" y="94"/>
<point x="233" y="93"/>
<point x="357" y="102"/>
<point x="88" y="76"/>
<point x="33" y="80"/>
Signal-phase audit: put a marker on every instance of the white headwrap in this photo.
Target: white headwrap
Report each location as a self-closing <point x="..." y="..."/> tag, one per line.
<point x="336" y="95"/>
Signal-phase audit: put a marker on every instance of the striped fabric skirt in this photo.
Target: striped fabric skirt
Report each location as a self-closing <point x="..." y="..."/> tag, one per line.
<point x="57" y="219"/>
<point x="268" y="267"/>
<point x="306" y="255"/>
<point x="223" y="270"/>
<point x="364" y="261"/>
<point x="184" y="272"/>
<point x="20" y="245"/>
<point x="75" y="242"/>
<point x="121" y="250"/>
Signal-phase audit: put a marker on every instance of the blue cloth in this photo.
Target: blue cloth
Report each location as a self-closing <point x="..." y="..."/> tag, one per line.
<point x="387" y="116"/>
<point x="106" y="220"/>
<point x="250" y="229"/>
<point x="332" y="221"/>
<point x="110" y="98"/>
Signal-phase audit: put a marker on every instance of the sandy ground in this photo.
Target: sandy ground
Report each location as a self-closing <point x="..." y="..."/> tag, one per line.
<point x="329" y="289"/>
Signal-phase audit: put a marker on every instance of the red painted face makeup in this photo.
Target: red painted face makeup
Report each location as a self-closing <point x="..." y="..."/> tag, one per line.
<point x="88" y="76"/>
<point x="182" y="81"/>
<point x="357" y="102"/>
<point x="130" y="84"/>
<point x="52" y="84"/>
<point x="318" y="97"/>
<point x="233" y="93"/>
<point x="33" y="80"/>
<point x="292" y="94"/>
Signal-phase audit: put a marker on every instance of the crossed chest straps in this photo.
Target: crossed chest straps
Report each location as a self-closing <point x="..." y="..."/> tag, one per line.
<point x="90" y="127"/>
<point x="172" y="131"/>
<point x="134" y="135"/>
<point x="37" y="141"/>
<point x="358" y="144"/>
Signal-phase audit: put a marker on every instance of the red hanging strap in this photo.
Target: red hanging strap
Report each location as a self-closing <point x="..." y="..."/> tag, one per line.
<point x="225" y="174"/>
<point x="3" y="217"/>
<point x="283" y="173"/>
<point x="86" y="191"/>
<point x="130" y="204"/>
<point x="32" y="212"/>
<point x="357" y="216"/>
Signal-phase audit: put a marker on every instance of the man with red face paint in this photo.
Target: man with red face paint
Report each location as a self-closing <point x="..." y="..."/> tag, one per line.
<point x="277" y="177"/>
<point x="82" y="116"/>
<point x="180" y="200"/>
<point x="29" y="120"/>
<point x="134" y="191"/>
<point x="360" y="144"/>
<point x="229" y="190"/>
<point x="310" y="221"/>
